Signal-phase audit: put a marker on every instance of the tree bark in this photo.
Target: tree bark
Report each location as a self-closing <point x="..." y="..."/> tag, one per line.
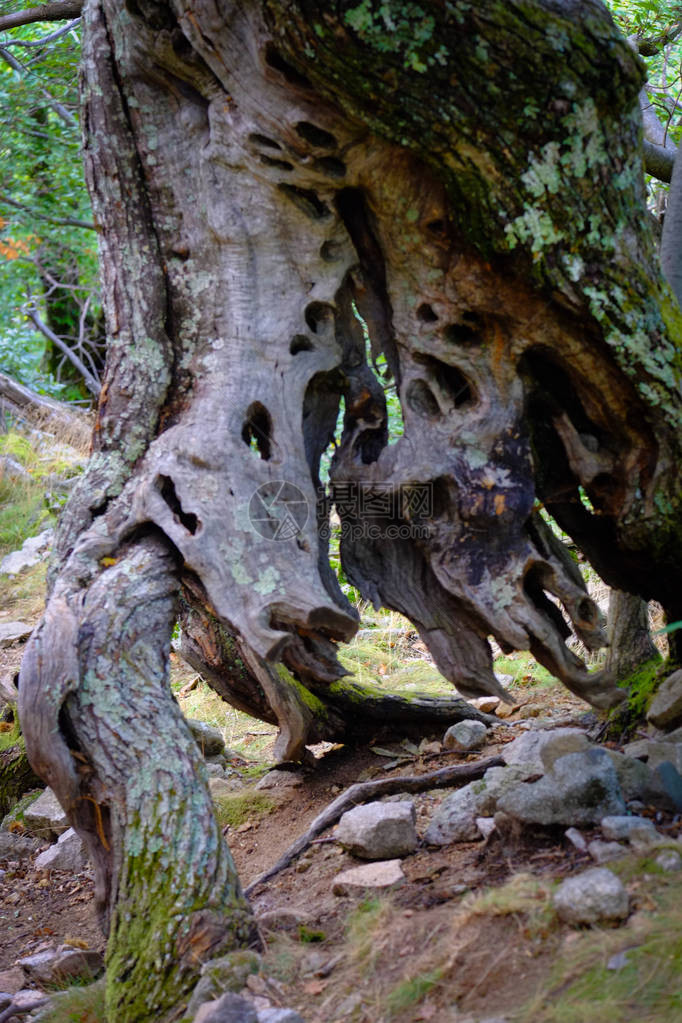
<point x="261" y="174"/>
<point x="630" y="642"/>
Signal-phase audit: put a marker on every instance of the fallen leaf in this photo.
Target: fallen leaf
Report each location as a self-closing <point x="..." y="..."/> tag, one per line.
<point x="315" y="987"/>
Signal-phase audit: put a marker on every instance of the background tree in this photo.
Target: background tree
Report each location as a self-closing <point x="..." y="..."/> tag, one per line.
<point x="260" y="172"/>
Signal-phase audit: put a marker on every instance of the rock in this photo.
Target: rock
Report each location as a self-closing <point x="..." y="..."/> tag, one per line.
<point x="224" y="786"/>
<point x="455" y="819"/>
<point x="283" y="918"/>
<point x="576" y="839"/>
<point x="628" y="829"/>
<point x="11" y="980"/>
<point x="639" y="749"/>
<point x="280" y="780"/>
<point x="229" y="973"/>
<point x="505" y="710"/>
<point x="669" y="860"/>
<point x="528" y="749"/>
<point x="379" y="876"/>
<point x="595" y="895"/>
<point x="45" y="816"/>
<point x="28" y="999"/>
<point x="666" y="707"/>
<point x="55" y="966"/>
<point x="427" y="746"/>
<point x="639" y="782"/>
<point x="12" y="632"/>
<point x="379" y="831"/>
<point x="279" y="1016"/>
<point x="660" y="752"/>
<point x="17" y="847"/>
<point x="34" y="549"/>
<point x="581" y="788"/>
<point x="215" y="770"/>
<point x="486" y="704"/>
<point x="672" y="783"/>
<point x="208" y="738"/>
<point x="465" y="735"/>
<point x="229" y="1008"/>
<point x="602" y="852"/>
<point x="486" y="825"/>
<point x="68" y="853"/>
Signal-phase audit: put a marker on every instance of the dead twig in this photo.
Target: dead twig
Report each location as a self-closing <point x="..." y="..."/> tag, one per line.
<point x="363" y="791"/>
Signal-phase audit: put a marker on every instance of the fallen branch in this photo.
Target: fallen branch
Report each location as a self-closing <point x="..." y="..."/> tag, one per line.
<point x="363" y="791"/>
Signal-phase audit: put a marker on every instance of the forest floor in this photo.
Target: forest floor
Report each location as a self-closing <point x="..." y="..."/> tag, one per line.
<point x="469" y="936"/>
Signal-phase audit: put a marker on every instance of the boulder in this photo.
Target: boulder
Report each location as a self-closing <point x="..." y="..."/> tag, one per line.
<point x="581" y="788"/>
<point x="45" y="817"/>
<point x="68" y="853"/>
<point x="666" y="707"/>
<point x="379" y="876"/>
<point x="455" y="819"/>
<point x="12" y="632"/>
<point x="280" y="780"/>
<point x="17" y="847"/>
<point x="208" y="738"/>
<point x="659" y="752"/>
<point x="54" y="966"/>
<point x="591" y="897"/>
<point x="602" y="852"/>
<point x="34" y="549"/>
<point x="537" y="749"/>
<point x="379" y="831"/>
<point x="638" y="781"/>
<point x="279" y="1016"/>
<point x="465" y="735"/>
<point x="638" y="830"/>
<point x="229" y="973"/>
<point x="669" y="860"/>
<point x="229" y="1008"/>
<point x="671" y="781"/>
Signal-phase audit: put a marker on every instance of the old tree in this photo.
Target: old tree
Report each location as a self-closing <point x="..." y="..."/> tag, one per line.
<point x="465" y="178"/>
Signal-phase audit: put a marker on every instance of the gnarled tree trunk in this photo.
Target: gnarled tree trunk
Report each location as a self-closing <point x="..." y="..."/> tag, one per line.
<point x="262" y="173"/>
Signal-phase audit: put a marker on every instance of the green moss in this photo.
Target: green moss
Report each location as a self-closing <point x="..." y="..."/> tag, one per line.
<point x="640" y="686"/>
<point x="238" y="808"/>
<point x="13" y="737"/>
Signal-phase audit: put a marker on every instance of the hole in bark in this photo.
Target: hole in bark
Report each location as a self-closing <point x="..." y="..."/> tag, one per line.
<point x="317" y="137"/>
<point x="331" y="252"/>
<point x="270" y="161"/>
<point x="263" y="140"/>
<point x="465" y="333"/>
<point x="426" y="314"/>
<point x="167" y="489"/>
<point x="257" y="430"/>
<point x="307" y="201"/>
<point x="451" y="381"/>
<point x="421" y="400"/>
<point x="180" y="43"/>
<point x="275" y="60"/>
<point x="442" y="498"/>
<point x="301" y="343"/>
<point x="437" y="227"/>
<point x="317" y="314"/>
<point x="330" y="166"/>
<point x="557" y="390"/>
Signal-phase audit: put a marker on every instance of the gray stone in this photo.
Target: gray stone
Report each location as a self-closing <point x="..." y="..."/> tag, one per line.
<point x="11" y="980"/>
<point x="12" y="632"/>
<point x="581" y="788"/>
<point x="280" y="780"/>
<point x="379" y="831"/>
<point x="17" y="847"/>
<point x="208" y="738"/>
<point x="279" y="1016"/>
<point x="34" y="549"/>
<point x="639" y="749"/>
<point x="666" y="707"/>
<point x="223" y="786"/>
<point x="215" y="770"/>
<point x="379" y="876"/>
<point x="538" y="749"/>
<point x="283" y="918"/>
<point x="229" y="973"/>
<point x="229" y="1008"/>
<point x="672" y="783"/>
<point x="595" y="895"/>
<point x="465" y="735"/>
<point x="486" y="825"/>
<point x="602" y="852"/>
<point x="68" y="853"/>
<point x="625" y="829"/>
<point x="486" y="704"/>
<point x="45" y="816"/>
<point x="57" y="965"/>
<point x="455" y="819"/>
<point x="669" y="860"/>
<point x="576" y="839"/>
<point x="638" y="781"/>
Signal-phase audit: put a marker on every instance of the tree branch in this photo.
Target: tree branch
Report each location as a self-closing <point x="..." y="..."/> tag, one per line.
<point x="36" y="43"/>
<point x="60" y="10"/>
<point x="363" y="791"/>
<point x="59" y="221"/>
<point x="91" y="382"/>
<point x="654" y="44"/>
<point x="658" y="160"/>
